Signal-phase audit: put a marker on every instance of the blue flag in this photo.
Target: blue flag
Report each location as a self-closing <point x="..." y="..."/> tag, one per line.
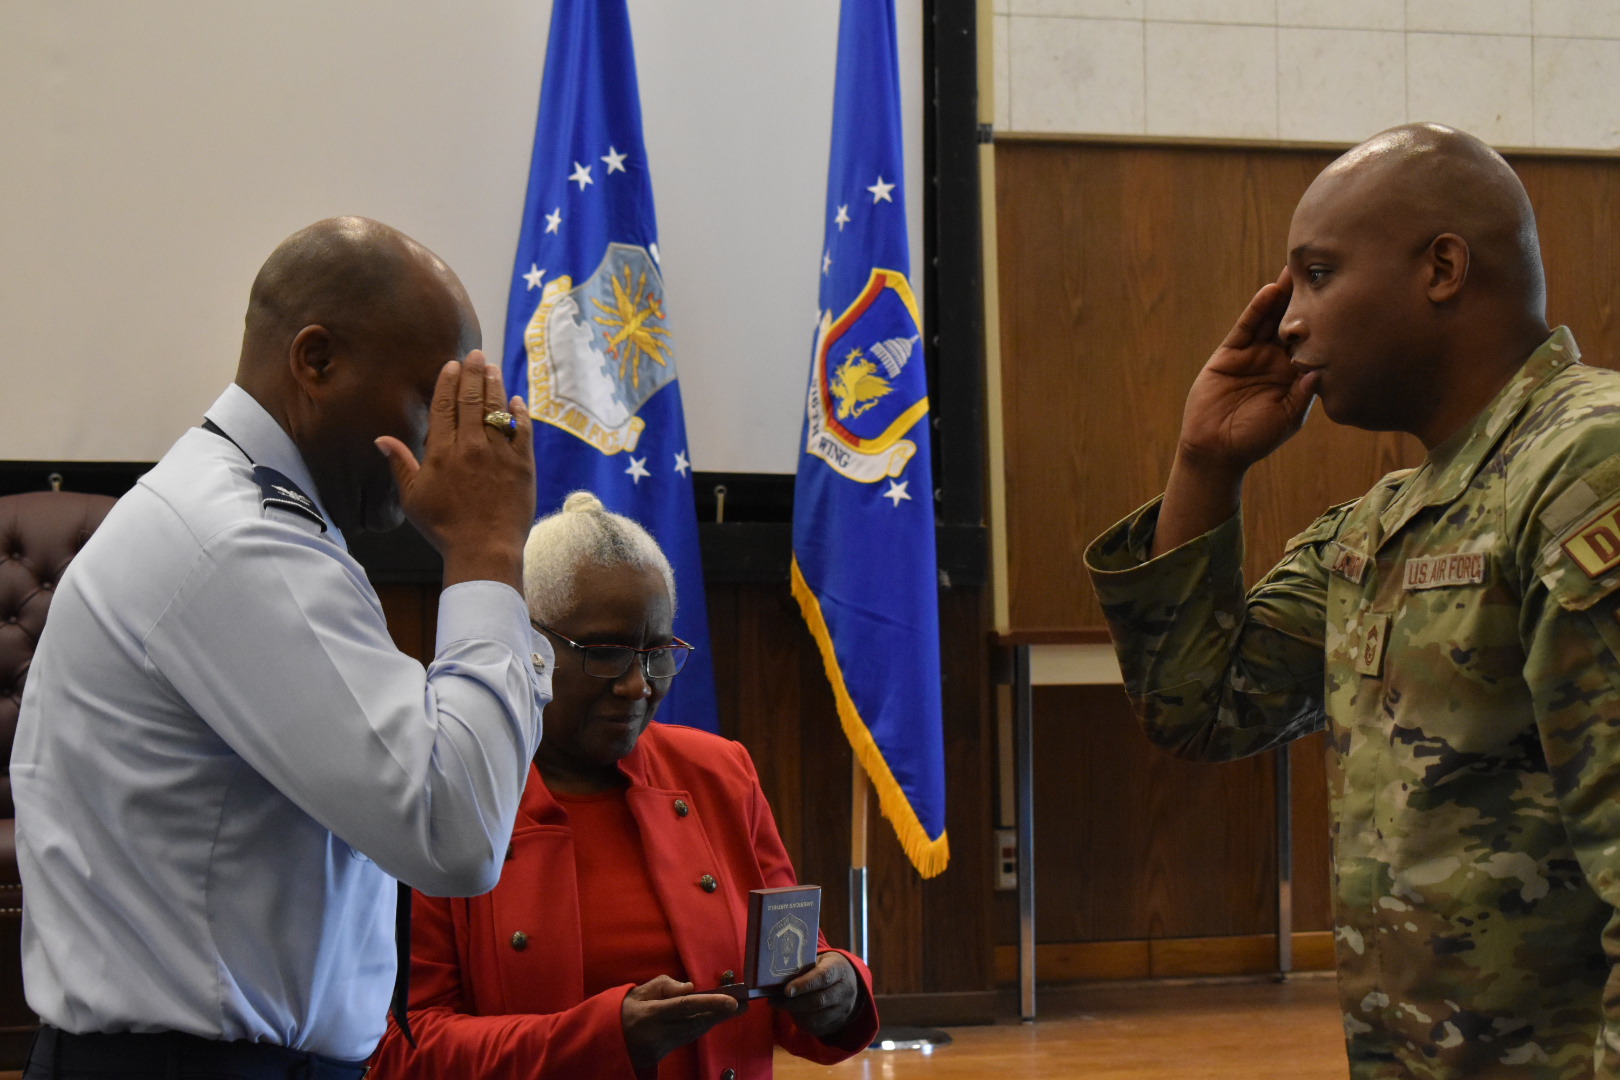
<point x="588" y="344"/>
<point x="863" y="509"/>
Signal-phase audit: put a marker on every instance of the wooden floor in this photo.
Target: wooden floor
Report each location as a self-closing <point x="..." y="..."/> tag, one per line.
<point x="1205" y="1031"/>
<point x="1137" y="1031"/>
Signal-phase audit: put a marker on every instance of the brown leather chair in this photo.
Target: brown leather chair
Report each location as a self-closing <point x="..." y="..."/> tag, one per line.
<point x="40" y="532"/>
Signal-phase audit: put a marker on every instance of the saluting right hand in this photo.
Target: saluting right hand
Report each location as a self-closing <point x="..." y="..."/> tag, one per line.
<point x="472" y="495"/>
<point x="1249" y="398"/>
<point x="663" y="1014"/>
<point x="1247" y="401"/>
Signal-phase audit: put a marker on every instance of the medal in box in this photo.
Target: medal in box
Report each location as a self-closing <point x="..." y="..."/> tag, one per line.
<point x="783" y="930"/>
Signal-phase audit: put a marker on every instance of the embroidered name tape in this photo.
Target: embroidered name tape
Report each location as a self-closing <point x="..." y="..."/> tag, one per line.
<point x="1348" y="564"/>
<point x="1443" y="571"/>
<point x="1595" y="546"/>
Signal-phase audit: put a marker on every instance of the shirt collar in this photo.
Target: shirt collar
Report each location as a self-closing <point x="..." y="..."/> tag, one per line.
<point x="239" y="414"/>
<point x="1449" y="468"/>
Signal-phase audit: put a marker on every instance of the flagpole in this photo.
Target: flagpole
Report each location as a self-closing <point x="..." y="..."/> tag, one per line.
<point x="889" y="1036"/>
<point x="859" y="811"/>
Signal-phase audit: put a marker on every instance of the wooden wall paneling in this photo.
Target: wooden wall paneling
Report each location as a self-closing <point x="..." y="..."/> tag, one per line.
<point x="1313" y="875"/>
<point x="896" y="916"/>
<point x="1050" y="291"/>
<point x="769" y="706"/>
<point x="956" y="904"/>
<point x="1577" y="203"/>
<point x="725" y="630"/>
<point x="1132" y="843"/>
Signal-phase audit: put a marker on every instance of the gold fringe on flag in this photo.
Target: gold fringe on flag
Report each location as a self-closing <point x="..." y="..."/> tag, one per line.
<point x="928" y="855"/>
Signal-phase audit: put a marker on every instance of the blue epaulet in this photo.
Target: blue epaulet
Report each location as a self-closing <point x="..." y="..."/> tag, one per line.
<point x="278" y="491"/>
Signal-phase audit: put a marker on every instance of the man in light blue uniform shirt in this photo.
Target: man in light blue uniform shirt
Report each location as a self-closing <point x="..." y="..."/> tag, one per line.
<point x="222" y="761"/>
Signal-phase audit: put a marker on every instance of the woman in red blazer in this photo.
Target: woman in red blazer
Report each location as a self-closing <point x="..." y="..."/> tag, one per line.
<point x="626" y="884"/>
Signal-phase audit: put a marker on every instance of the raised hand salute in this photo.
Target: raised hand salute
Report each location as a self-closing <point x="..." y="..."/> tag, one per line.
<point x="1248" y="399"/>
<point x="472" y="495"/>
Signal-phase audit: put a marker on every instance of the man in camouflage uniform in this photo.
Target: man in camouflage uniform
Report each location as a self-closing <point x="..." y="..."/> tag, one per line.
<point x="1455" y="628"/>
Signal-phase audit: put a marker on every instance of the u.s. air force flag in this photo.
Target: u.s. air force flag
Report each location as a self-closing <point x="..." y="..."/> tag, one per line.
<point x="587" y="341"/>
<point x="863" y="509"/>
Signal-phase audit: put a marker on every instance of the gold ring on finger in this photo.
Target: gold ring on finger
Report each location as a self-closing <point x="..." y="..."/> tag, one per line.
<point x="502" y="421"/>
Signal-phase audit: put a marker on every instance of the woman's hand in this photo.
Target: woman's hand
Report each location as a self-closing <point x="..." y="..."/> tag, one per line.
<point x="663" y="1014"/>
<point x="822" y="999"/>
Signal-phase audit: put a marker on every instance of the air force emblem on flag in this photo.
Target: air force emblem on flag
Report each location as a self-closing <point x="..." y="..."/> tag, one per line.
<point x="597" y="351"/>
<point x="863" y="399"/>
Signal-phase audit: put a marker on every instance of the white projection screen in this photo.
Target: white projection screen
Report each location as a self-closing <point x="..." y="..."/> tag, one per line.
<point x="155" y="152"/>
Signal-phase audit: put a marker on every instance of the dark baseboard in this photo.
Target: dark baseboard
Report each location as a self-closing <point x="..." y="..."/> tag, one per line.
<point x="960" y="1009"/>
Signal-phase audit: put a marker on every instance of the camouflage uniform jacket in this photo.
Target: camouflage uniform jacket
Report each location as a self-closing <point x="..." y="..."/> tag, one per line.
<point x="1457" y="630"/>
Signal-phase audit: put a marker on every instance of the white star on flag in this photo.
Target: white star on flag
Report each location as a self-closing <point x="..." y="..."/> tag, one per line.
<point x="553" y="220"/>
<point x="880" y="192"/>
<point x="681" y="464"/>
<point x="826" y="261"/>
<point x="535" y="274"/>
<point x="637" y="469"/>
<point x="897" y="492"/>
<point x="582" y="176"/>
<point x="615" y="161"/>
<point x="843" y="216"/>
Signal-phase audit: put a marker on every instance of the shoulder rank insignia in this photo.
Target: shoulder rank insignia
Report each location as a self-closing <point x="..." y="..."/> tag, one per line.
<point x="278" y="491"/>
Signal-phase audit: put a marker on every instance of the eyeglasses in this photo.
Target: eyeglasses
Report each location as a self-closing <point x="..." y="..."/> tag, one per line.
<point x="612" y="661"/>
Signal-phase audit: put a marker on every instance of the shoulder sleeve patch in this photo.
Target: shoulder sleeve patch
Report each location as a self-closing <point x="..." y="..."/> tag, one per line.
<point x="1594" y="544"/>
<point x="276" y="490"/>
<point x="1323" y="528"/>
<point x="1578" y="499"/>
<point x="1600" y="483"/>
<point x="1581" y="564"/>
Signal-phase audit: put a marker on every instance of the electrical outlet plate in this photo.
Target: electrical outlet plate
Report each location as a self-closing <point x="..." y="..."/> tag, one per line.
<point x="1006" y="860"/>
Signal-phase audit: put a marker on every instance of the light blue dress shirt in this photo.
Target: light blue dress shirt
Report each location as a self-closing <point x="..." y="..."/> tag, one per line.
<point x="223" y="761"/>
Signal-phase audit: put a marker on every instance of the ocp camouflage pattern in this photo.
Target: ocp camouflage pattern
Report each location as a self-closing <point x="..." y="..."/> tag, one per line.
<point x="1457" y="630"/>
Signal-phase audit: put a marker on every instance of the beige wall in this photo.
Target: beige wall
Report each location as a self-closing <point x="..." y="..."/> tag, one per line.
<point x="152" y="154"/>
<point x="1521" y="73"/>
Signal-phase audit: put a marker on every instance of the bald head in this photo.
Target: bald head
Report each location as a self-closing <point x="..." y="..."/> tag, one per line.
<point x="1418" y="181"/>
<point x="356" y="277"/>
<point x="349" y="323"/>
<point x="1415" y="279"/>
